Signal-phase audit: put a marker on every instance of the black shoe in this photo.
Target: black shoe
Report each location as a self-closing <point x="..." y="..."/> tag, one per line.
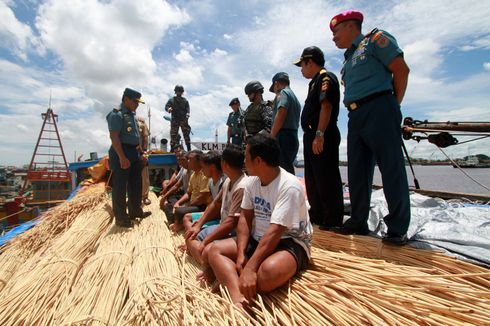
<point x="395" y="239"/>
<point x="125" y="223"/>
<point x="351" y="231"/>
<point x="335" y="229"/>
<point x="143" y="215"/>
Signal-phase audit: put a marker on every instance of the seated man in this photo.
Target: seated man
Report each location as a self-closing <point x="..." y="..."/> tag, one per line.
<point x="197" y="196"/>
<point x="266" y="256"/>
<point x="226" y="207"/>
<point x="168" y="183"/>
<point x="177" y="187"/>
<point x="211" y="167"/>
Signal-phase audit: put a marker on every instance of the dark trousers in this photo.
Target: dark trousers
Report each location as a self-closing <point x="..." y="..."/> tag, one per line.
<point x="375" y="136"/>
<point x="323" y="181"/>
<point x="289" y="144"/>
<point x="126" y="181"/>
<point x="175" y="124"/>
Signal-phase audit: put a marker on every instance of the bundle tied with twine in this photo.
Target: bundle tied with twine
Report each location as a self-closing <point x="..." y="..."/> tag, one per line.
<point x="29" y="246"/>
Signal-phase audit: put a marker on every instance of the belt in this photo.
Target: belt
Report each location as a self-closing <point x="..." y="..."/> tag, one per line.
<point x="129" y="145"/>
<point x="358" y="103"/>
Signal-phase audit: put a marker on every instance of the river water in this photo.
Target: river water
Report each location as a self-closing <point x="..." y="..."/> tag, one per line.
<point x="442" y="178"/>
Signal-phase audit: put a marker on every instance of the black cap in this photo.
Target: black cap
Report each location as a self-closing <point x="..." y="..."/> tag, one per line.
<point x="282" y="76"/>
<point x="179" y="88"/>
<point x="311" y="52"/>
<point x="234" y="101"/>
<point x="134" y="95"/>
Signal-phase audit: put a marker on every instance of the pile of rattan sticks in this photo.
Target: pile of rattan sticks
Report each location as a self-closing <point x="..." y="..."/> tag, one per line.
<point x="77" y="268"/>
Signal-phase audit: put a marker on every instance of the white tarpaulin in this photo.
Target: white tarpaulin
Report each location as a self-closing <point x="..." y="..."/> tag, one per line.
<point x="460" y="228"/>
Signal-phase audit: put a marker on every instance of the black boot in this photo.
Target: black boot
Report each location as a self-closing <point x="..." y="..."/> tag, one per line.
<point x="188" y="147"/>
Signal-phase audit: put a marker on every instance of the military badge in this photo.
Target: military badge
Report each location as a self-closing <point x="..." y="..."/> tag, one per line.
<point x="377" y="36"/>
<point x="324" y="86"/>
<point x="129" y="129"/>
<point x="333" y="22"/>
<point x="383" y="42"/>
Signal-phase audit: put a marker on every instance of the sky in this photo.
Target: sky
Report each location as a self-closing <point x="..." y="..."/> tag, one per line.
<point x="83" y="54"/>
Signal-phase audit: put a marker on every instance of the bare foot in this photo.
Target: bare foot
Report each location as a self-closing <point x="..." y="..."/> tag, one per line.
<point x="183" y="247"/>
<point x="207" y="275"/>
<point x="175" y="227"/>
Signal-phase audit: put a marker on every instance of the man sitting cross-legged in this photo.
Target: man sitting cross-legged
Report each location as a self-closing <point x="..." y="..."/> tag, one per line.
<point x="264" y="257"/>
<point x="197" y="196"/>
<point x="226" y="207"/>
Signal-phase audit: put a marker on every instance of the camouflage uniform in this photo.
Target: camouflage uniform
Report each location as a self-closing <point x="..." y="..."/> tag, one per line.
<point x="180" y="118"/>
<point x="258" y="117"/>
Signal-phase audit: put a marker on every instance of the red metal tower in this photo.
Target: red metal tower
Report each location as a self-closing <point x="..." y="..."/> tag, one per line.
<point x="48" y="164"/>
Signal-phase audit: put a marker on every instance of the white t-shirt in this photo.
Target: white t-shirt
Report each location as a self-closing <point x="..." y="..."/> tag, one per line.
<point x="280" y="202"/>
<point x="214" y="188"/>
<point x="183" y="176"/>
<point x="231" y="198"/>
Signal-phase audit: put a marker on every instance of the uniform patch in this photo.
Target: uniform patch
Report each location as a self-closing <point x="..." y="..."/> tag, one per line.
<point x="129" y="129"/>
<point x="383" y="42"/>
<point x="324" y="86"/>
<point x="377" y="36"/>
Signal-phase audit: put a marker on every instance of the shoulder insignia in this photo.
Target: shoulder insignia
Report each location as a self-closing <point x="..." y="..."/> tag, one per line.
<point x="383" y="42"/>
<point x="116" y="110"/>
<point x="377" y="36"/>
<point x="323" y="71"/>
<point x="324" y="85"/>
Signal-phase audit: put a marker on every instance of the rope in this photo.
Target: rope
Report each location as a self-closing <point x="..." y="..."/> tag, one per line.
<point x="459" y="168"/>
<point x="6" y="217"/>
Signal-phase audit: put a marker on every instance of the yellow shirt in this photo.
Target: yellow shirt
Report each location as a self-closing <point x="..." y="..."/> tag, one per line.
<point x="198" y="183"/>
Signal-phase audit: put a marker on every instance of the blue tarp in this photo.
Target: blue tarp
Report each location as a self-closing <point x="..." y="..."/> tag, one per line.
<point x="18" y="230"/>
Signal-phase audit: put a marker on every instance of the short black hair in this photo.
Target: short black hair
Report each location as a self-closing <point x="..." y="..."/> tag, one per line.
<point x="197" y="153"/>
<point x="266" y="147"/>
<point x="212" y="158"/>
<point x="234" y="156"/>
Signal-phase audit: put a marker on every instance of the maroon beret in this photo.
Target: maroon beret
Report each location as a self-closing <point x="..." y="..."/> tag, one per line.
<point x="346" y="15"/>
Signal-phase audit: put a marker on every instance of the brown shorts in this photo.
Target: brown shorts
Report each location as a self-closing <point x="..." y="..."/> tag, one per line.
<point x="288" y="245"/>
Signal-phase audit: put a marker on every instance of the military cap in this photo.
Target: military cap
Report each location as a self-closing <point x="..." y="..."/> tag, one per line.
<point x="253" y="86"/>
<point x="179" y="88"/>
<point x="282" y="76"/>
<point x="234" y="101"/>
<point x="134" y="95"/>
<point x="312" y="52"/>
<point x="346" y="15"/>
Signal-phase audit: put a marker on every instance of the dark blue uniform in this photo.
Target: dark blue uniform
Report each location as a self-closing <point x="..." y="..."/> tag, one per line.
<point x="322" y="175"/>
<point x="125" y="180"/>
<point x="374" y="131"/>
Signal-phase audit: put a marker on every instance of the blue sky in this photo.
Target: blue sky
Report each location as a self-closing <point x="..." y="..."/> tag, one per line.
<point x="86" y="52"/>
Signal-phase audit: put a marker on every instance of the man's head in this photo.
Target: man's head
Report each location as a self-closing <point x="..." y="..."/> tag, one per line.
<point x="262" y="151"/>
<point x="311" y="61"/>
<point x="232" y="159"/>
<point x="211" y="163"/>
<point x="235" y="104"/>
<point x="183" y="160"/>
<point x="279" y="81"/>
<point x="254" y="90"/>
<point x="132" y="99"/>
<point x="194" y="160"/>
<point x="179" y="90"/>
<point x="345" y="27"/>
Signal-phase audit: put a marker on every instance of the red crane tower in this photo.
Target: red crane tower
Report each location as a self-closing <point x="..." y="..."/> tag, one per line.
<point x="48" y="170"/>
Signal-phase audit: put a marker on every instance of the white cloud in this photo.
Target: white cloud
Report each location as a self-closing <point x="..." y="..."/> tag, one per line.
<point x="486" y="66"/>
<point x="16" y="36"/>
<point x="227" y="36"/>
<point x="104" y="45"/>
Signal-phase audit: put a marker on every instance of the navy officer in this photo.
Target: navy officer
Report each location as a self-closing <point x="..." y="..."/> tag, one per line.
<point x="125" y="160"/>
<point x="375" y="77"/>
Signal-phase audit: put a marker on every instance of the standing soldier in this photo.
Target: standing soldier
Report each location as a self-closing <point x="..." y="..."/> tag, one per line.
<point x="375" y="77"/>
<point x="235" y="125"/>
<point x="321" y="140"/>
<point x="258" y="116"/>
<point x="286" y="114"/>
<point x="178" y="107"/>
<point x="145" y="180"/>
<point x="125" y="160"/>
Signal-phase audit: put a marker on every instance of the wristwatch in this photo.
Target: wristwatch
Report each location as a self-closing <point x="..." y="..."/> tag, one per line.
<point x="319" y="133"/>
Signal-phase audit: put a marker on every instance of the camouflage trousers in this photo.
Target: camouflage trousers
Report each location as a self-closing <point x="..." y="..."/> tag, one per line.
<point x="174" y="131"/>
